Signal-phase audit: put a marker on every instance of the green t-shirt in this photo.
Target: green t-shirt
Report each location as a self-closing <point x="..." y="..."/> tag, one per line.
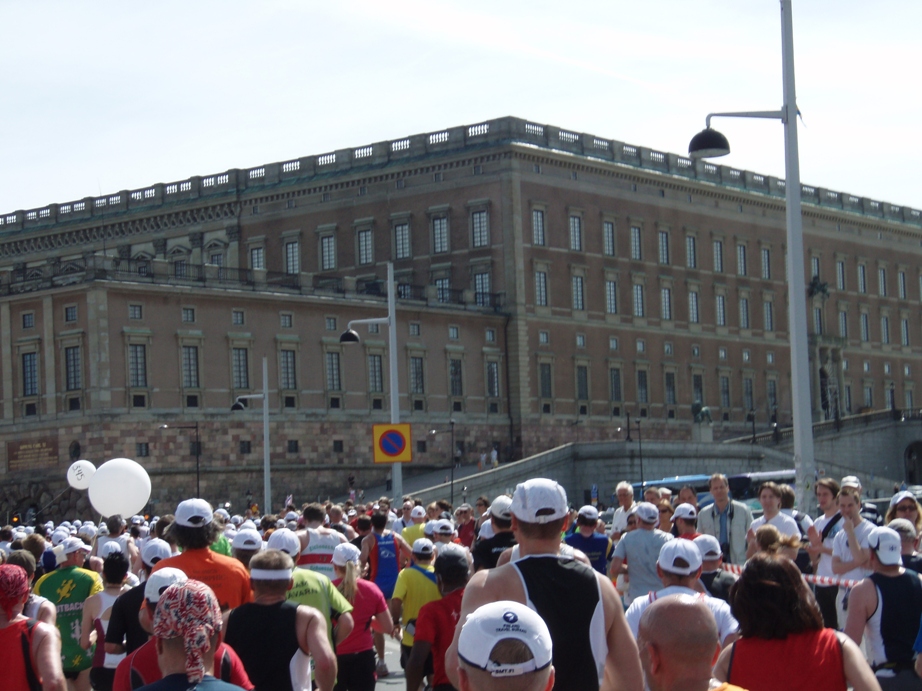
<point x="222" y="546"/>
<point x="316" y="590"/>
<point x="68" y="588"/>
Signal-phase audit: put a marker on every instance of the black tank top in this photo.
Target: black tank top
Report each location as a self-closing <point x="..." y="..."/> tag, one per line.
<point x="901" y="610"/>
<point x="565" y="593"/>
<point x="265" y="637"/>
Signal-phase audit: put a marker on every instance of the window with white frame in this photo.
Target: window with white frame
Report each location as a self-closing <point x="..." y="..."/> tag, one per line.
<point x="614" y="384"/>
<point x="135" y="312"/>
<point x="843" y="324"/>
<point x="636" y="246"/>
<point x="286" y="320"/>
<point x="613" y="343"/>
<point x="840" y="275"/>
<point x="137" y="365"/>
<point x="901" y="284"/>
<point x="725" y="392"/>
<point x="73" y="368"/>
<point x="240" y="368"/>
<point x="455" y="378"/>
<point x="366" y="246"/>
<point x="190" y="378"/>
<point x="70" y="313"/>
<point x="637" y="292"/>
<point x="443" y="289"/>
<point x="292" y="257"/>
<point x="287" y="378"/>
<point x="544" y="337"/>
<point x="766" y="263"/>
<point x="30" y="374"/>
<point x="490" y="335"/>
<point x="611" y="297"/>
<point x="691" y="251"/>
<point x="608" y="238"/>
<point x="541" y="288"/>
<point x="414" y="329"/>
<point x="480" y="229"/>
<point x="748" y="399"/>
<point x="815" y="266"/>
<point x="579" y="302"/>
<point x="885" y="330"/>
<point x="904" y="332"/>
<point x="402" y="241"/>
<point x="718" y="256"/>
<point x="538" y="236"/>
<point x="771" y="393"/>
<point x="375" y="373"/>
<point x="868" y="396"/>
<point x="188" y="315"/>
<point x="329" y="323"/>
<point x="28" y="318"/>
<point x="862" y="278"/>
<point x="741" y="260"/>
<point x="482" y="288"/>
<point x="237" y="317"/>
<point x="417" y="381"/>
<point x="582" y="383"/>
<point x="663" y="246"/>
<point x="454" y="333"/>
<point x="257" y="258"/>
<point x="666" y="304"/>
<point x="818" y="320"/>
<point x="768" y="315"/>
<point x="744" y="313"/>
<point x="546" y="380"/>
<point x="643" y="393"/>
<point x="492" y="379"/>
<point x="576" y="233"/>
<point x="694" y="315"/>
<point x="439" y="234"/>
<point x="721" y="310"/>
<point x="333" y="372"/>
<point x="882" y="282"/>
<point x="670" y="388"/>
<point x="327" y="252"/>
<point x="865" y="327"/>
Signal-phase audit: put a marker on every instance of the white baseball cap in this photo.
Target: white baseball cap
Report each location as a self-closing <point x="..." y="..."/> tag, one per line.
<point x="646" y="512"/>
<point x="886" y="544"/>
<point x="708" y="546"/>
<point x="156" y="550"/>
<point x="900" y="496"/>
<point x="286" y="541"/>
<point x="74" y="544"/>
<point x="194" y="513"/>
<point x="679" y="556"/>
<point x="539" y="500"/>
<point x="444" y="527"/>
<point x="418" y="512"/>
<point x="108" y="548"/>
<point x="423" y="547"/>
<point x="247" y="539"/>
<point x="850" y="481"/>
<point x="686" y="511"/>
<point x="497" y="621"/>
<point x="589" y="512"/>
<point x="160" y="580"/>
<point x="500" y="507"/>
<point x="345" y="552"/>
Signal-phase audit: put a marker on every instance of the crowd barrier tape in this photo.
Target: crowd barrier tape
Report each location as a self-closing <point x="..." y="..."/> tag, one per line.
<point x="810" y="578"/>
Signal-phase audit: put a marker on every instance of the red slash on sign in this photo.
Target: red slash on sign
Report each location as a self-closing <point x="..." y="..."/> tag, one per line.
<point x="393" y="443"/>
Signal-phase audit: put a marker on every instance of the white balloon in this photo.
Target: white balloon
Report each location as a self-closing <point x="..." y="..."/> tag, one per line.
<point x="80" y="473"/>
<point x="119" y="486"/>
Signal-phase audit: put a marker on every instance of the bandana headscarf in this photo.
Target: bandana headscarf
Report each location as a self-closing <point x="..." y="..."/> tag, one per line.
<point x="189" y="610"/>
<point x="14" y="583"/>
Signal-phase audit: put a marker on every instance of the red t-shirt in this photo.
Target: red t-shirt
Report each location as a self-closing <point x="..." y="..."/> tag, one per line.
<point x="811" y="660"/>
<point x="140" y="668"/>
<point x="12" y="661"/>
<point x="227" y="577"/>
<point x="436" y="625"/>
<point x="466" y="534"/>
<point x="369" y="601"/>
<point x="689" y="536"/>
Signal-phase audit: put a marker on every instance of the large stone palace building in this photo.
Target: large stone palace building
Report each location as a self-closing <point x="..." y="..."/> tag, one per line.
<point x="549" y="284"/>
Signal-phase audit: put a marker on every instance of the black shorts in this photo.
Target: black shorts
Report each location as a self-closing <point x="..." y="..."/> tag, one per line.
<point x="356" y="671"/>
<point x="405" y="656"/>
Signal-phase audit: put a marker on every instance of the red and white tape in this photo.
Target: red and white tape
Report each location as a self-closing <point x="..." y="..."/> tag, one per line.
<point x="818" y="580"/>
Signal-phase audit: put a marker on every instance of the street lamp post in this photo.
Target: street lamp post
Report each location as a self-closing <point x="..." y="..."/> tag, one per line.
<point x="198" y="455"/>
<point x="239" y="405"/>
<point x="451" y="456"/>
<point x="709" y="143"/>
<point x="751" y="416"/>
<point x="351" y="336"/>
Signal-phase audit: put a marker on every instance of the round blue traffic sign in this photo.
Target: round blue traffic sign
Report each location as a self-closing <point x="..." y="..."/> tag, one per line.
<point x="392" y="443"/>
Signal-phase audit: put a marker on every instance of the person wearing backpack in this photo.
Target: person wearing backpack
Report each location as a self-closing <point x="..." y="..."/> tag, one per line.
<point x="821" y="536"/>
<point x="416" y="586"/>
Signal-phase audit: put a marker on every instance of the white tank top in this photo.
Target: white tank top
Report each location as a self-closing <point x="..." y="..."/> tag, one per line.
<point x="111" y="661"/>
<point x="318" y="555"/>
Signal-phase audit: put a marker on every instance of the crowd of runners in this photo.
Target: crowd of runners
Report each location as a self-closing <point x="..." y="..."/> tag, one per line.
<point x="519" y="593"/>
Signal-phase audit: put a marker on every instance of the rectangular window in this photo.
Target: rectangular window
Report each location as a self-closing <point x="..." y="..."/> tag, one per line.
<point x="537" y="227"/>
<point x="698" y="388"/>
<point x="181" y="268"/>
<point x="237" y="317"/>
<point x="843" y="324"/>
<point x="885" y="330"/>
<point x="818" y="320"/>
<point x="188" y="315"/>
<point x="286" y="319"/>
<point x="366" y="247"/>
<point x="904" y="332"/>
<point x="137" y="365"/>
<point x="582" y="383"/>
<point x="30" y="374"/>
<point x="862" y="278"/>
<point x="73" y="371"/>
<point x="721" y="310"/>
<point x="292" y="257"/>
<point x="901" y="282"/>
<point x="334" y="379"/>
<point x="70" y="313"/>
<point x="402" y="240"/>
<point x="545" y="380"/>
<point x="718" y="256"/>
<point x="257" y="258"/>
<point x="611" y="297"/>
<point x="482" y="289"/>
<point x="28" y="318"/>
<point x="480" y="229"/>
<point x="578" y="296"/>
<point x="868" y="397"/>
<point x="865" y="327"/>
<point x="637" y="290"/>
<point x="541" y="288"/>
<point x="241" y="372"/>
<point x="636" y="247"/>
<point x="882" y="282"/>
<point x="454" y="375"/>
<point x="663" y="247"/>
<point x="135" y="311"/>
<point x="670" y="388"/>
<point x="840" y="275"/>
<point x="643" y="395"/>
<point x="748" y="401"/>
<point x="768" y="315"/>
<point x="815" y="266"/>
<point x="287" y="378"/>
<point x="443" y="289"/>
<point x="328" y="253"/>
<point x="744" y="313"/>
<point x="375" y="374"/>
<point x="741" y="260"/>
<point x="848" y="398"/>
<point x="693" y="314"/>
<point x="772" y="393"/>
<point x="725" y="392"/>
<point x="691" y="252"/>
<point x="439" y="234"/>
<point x="766" y="263"/>
<point x="417" y="383"/>
<point x="190" y="367"/>
<point x="576" y="233"/>
<point x="614" y="384"/>
<point x="608" y="238"/>
<point x="493" y="379"/>
<point x="666" y="303"/>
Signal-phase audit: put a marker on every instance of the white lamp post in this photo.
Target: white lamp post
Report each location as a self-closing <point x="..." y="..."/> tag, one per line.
<point x="264" y="397"/>
<point x="710" y="142"/>
<point x="351" y="336"/>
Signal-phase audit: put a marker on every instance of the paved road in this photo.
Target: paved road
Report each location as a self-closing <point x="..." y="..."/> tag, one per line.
<point x="396" y="678"/>
<point x="422" y="481"/>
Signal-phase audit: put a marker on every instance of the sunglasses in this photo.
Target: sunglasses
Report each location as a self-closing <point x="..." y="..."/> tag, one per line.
<point x="903" y="508"/>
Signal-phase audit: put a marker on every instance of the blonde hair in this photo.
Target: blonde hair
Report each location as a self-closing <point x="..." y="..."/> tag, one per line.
<point x="347" y="586"/>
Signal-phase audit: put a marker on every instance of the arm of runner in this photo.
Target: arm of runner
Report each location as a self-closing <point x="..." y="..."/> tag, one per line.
<point x="344" y="625"/>
<point x="87" y="627"/>
<point x="417" y="663"/>
<point x="858" y="673"/>
<point x="475" y="594"/>
<point x="382" y="622"/>
<point x="314" y="641"/>
<point x="861" y="604"/>
<point x="622" y="664"/>
<point x="47" y="613"/>
<point x="46" y="651"/>
<point x="722" y="668"/>
<point x="615" y="567"/>
<point x="396" y="609"/>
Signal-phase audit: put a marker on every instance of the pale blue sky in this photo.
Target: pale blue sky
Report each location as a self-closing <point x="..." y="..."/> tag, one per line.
<point x="97" y="97"/>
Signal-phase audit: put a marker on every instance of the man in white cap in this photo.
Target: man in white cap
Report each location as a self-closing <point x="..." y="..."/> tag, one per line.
<point x="416" y="586"/>
<point x="245" y="545"/>
<point x="887" y="607"/>
<point x="68" y="587"/>
<point x="685" y="520"/>
<point x="505" y="646"/>
<point x="596" y="546"/>
<point x="679" y="568"/>
<point x="715" y="579"/>
<point x="640" y="548"/>
<point x="414" y="531"/>
<point x="487" y="550"/>
<point x="580" y="606"/>
<point x="194" y="530"/>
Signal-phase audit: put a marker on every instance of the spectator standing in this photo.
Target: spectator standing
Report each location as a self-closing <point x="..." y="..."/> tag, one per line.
<point x="850" y="551"/>
<point x="908" y="538"/>
<point x="770" y="499"/>
<point x="685" y="521"/>
<point x="640" y="548"/>
<point x="625" y="494"/>
<point x="726" y="519"/>
<point x="822" y="535"/>
<point x="869" y="511"/>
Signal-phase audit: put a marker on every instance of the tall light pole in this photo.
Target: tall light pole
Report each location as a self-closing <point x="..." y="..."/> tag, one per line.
<point x="239" y="405"/>
<point x="710" y="142"/>
<point x="198" y="454"/>
<point x="451" y="456"/>
<point x="351" y="336"/>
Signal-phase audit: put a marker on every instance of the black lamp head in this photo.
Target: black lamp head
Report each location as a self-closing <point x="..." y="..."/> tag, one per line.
<point x="349" y="336"/>
<point x="708" y="143"/>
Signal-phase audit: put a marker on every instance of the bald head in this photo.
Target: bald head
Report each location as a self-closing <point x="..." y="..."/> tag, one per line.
<point x="678" y="642"/>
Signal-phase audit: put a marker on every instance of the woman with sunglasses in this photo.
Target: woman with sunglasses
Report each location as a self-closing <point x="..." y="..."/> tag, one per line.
<point x="905" y="505"/>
